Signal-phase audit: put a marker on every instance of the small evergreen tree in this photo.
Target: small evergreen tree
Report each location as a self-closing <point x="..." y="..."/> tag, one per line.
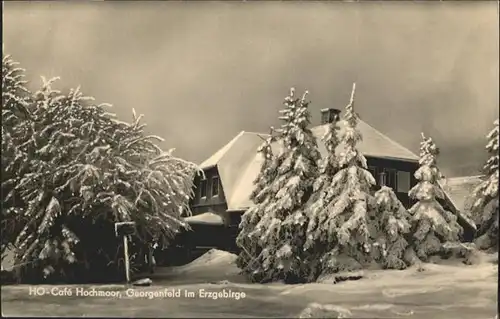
<point x="261" y="196"/>
<point x="389" y="226"/>
<point x="485" y="205"/>
<point x="281" y="231"/>
<point x="340" y="218"/>
<point x="432" y="225"/>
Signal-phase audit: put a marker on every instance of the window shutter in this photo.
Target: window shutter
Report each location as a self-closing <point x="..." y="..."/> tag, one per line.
<point x="403" y="183"/>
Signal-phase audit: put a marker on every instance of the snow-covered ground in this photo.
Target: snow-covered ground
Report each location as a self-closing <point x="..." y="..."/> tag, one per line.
<point x="439" y="291"/>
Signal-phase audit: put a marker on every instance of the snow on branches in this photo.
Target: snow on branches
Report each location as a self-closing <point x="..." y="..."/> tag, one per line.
<point x="338" y="219"/>
<point x="15" y="112"/>
<point x="280" y="231"/>
<point x="261" y="196"/>
<point x="485" y="205"/>
<point x="389" y="226"/>
<point x="433" y="226"/>
<point x="15" y="95"/>
<point x="83" y="163"/>
<point x="329" y="165"/>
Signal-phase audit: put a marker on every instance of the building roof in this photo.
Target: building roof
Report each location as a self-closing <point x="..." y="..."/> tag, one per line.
<point x="239" y="163"/>
<point x="374" y="143"/>
<point x="208" y="218"/>
<point x="459" y="190"/>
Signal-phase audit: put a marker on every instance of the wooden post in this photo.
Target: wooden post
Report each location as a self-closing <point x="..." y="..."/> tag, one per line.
<point x="151" y="261"/>
<point x="127" y="262"/>
<point x="125" y="229"/>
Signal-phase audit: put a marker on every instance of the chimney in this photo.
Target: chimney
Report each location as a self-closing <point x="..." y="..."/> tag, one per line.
<point x="329" y="115"/>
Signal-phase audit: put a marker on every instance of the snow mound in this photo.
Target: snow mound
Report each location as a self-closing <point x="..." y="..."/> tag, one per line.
<point x="213" y="267"/>
<point x="205" y="218"/>
<point x="212" y="259"/>
<point x="316" y="310"/>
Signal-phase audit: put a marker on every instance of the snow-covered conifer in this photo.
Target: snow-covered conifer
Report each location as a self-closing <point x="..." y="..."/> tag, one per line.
<point x="485" y="205"/>
<point x="261" y="196"/>
<point x="15" y="112"/>
<point x="389" y="226"/>
<point x="15" y="95"/>
<point x="329" y="165"/>
<point x="281" y="230"/>
<point x="432" y="225"/>
<point x="338" y="221"/>
<point x="86" y="171"/>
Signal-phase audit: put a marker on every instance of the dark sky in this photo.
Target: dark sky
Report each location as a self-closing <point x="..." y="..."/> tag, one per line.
<point x="202" y="72"/>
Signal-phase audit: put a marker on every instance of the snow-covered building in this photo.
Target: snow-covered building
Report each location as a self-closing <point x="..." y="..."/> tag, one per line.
<point x="230" y="172"/>
<point x="460" y="189"/>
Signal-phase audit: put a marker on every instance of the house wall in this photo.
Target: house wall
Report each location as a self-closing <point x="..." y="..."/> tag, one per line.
<point x="216" y="204"/>
<point x="405" y="166"/>
<point x="225" y="237"/>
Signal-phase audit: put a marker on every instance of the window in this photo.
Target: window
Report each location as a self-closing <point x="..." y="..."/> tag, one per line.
<point x="391" y="178"/>
<point x="203" y="188"/>
<point x="382" y="179"/>
<point x="324" y="117"/>
<point x="403" y="182"/>
<point x="215" y="186"/>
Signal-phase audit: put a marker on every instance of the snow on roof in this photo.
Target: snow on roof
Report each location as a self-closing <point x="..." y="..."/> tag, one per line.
<point x="205" y="218"/>
<point x="239" y="163"/>
<point x="459" y="190"/>
<point x="374" y="143"/>
<point x="232" y="167"/>
<point x="217" y="156"/>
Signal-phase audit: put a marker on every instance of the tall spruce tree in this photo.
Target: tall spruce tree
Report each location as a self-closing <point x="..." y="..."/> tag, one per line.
<point x="432" y="225"/>
<point x="261" y="196"/>
<point x="340" y="218"/>
<point x="485" y="205"/>
<point x="390" y="223"/>
<point x="330" y="163"/>
<point x="281" y="231"/>
<point x="329" y="166"/>
<point x="85" y="170"/>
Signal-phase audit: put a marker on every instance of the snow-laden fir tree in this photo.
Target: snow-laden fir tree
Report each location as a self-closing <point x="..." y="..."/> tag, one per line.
<point x="281" y="230"/>
<point x="433" y="227"/>
<point x="485" y="205"/>
<point x="261" y="196"/>
<point x="328" y="167"/>
<point x="340" y="219"/>
<point x="88" y="170"/>
<point x="389" y="225"/>
<point x="15" y="112"/>
<point x="15" y="95"/>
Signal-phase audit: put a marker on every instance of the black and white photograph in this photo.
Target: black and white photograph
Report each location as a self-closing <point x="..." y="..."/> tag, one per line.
<point x="250" y="159"/>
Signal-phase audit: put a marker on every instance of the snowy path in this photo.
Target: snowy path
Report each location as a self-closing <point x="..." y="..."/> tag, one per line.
<point x="439" y="292"/>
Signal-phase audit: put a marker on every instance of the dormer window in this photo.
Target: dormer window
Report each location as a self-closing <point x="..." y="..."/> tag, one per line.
<point x="329" y="115"/>
<point x="215" y="186"/>
<point x="203" y="188"/>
